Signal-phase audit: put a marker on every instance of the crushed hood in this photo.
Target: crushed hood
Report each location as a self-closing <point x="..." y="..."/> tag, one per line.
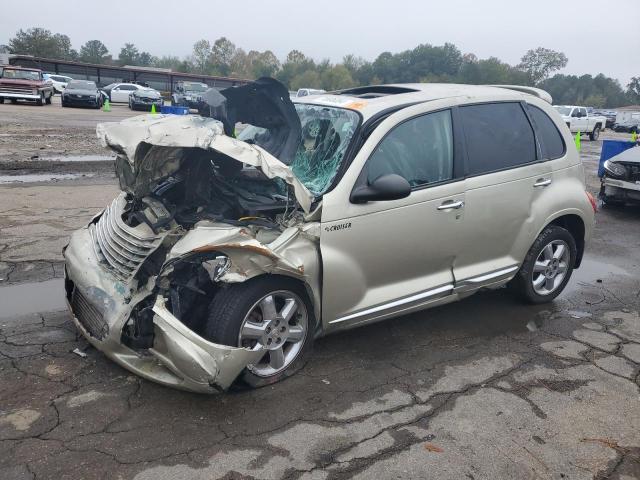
<point x="132" y="136"/>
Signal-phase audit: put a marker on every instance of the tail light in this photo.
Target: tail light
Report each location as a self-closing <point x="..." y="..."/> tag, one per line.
<point x="592" y="201"/>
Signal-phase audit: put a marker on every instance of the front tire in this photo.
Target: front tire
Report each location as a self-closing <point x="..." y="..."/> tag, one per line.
<point x="593" y="136"/>
<point x="271" y="313"/>
<point x="547" y="267"/>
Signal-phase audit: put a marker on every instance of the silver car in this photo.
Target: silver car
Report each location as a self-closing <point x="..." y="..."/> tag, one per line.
<point x="226" y="256"/>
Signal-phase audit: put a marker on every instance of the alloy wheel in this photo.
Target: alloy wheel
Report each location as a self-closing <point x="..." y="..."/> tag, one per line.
<point x="551" y="267"/>
<point x="278" y="324"/>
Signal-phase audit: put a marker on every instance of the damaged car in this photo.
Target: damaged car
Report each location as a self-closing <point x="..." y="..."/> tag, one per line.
<point x="621" y="180"/>
<point x="226" y="255"/>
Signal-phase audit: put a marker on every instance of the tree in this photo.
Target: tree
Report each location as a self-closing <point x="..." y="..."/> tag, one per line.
<point x="128" y="54"/>
<point x="40" y="42"/>
<point x="308" y="79"/>
<point x="541" y="62"/>
<point x="144" y="59"/>
<point x="336" y="77"/>
<point x="94" y="51"/>
<point x="265" y="64"/>
<point x="633" y="90"/>
<point x="201" y="55"/>
<point x="222" y="55"/>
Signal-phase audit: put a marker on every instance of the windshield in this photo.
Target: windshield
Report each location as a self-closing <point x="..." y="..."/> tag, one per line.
<point x="563" y="110"/>
<point x="326" y="135"/>
<point x="196" y="87"/>
<point x="21" y="74"/>
<point x="81" y="85"/>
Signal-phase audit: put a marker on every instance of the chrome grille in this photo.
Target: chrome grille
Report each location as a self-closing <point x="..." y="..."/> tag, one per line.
<point x="16" y="89"/>
<point x="121" y="248"/>
<point x="88" y="315"/>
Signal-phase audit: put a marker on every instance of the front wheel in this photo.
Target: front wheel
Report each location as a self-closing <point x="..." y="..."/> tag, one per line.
<point x="547" y="267"/>
<point x="40" y="101"/>
<point x="593" y="136"/>
<point x="269" y="313"/>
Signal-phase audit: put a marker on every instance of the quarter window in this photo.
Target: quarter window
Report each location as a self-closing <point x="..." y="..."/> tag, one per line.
<point x="420" y="150"/>
<point x="550" y="138"/>
<point x="498" y="136"/>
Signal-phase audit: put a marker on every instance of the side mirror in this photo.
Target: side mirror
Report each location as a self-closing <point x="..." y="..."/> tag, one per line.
<point x="385" y="187"/>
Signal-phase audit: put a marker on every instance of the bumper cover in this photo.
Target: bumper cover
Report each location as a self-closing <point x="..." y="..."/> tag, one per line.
<point x="179" y="357"/>
<point x="622" y="189"/>
<point x="23" y="96"/>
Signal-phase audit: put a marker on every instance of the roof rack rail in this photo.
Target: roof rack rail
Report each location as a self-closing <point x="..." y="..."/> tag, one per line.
<point x="536" y="92"/>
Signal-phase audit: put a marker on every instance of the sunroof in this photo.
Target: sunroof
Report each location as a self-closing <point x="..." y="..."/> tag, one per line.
<point x="374" y="91"/>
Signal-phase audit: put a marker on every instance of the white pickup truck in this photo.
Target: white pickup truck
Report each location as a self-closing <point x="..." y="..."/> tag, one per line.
<point x="579" y="120"/>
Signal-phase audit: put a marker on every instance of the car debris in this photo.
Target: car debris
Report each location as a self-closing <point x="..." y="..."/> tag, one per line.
<point x="79" y="352"/>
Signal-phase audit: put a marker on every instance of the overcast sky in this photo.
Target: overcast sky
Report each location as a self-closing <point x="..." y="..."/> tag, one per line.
<point x="597" y="36"/>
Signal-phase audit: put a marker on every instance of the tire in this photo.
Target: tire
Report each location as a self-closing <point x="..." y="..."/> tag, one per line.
<point x="593" y="136"/>
<point x="1" y="100"/>
<point x="237" y="304"/>
<point x="523" y="283"/>
<point x="40" y="101"/>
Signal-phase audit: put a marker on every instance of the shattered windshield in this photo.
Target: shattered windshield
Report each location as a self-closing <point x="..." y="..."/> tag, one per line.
<point x="326" y="135"/>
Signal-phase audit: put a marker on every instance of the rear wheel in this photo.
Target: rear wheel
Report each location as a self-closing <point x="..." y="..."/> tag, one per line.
<point x="593" y="136"/>
<point x="547" y="267"/>
<point x="269" y="313"/>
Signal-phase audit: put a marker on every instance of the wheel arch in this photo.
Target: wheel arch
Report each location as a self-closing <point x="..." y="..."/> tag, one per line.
<point x="575" y="225"/>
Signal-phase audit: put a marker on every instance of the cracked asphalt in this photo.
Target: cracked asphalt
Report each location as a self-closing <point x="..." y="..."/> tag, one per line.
<point x="486" y="388"/>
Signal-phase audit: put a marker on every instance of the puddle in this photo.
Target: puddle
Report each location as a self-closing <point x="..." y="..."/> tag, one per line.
<point x="77" y="158"/>
<point x="36" y="297"/>
<point x="594" y="272"/>
<point x="40" y="177"/>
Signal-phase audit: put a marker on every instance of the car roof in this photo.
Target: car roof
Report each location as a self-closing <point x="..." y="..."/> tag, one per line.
<point x="372" y="99"/>
<point x="16" y="67"/>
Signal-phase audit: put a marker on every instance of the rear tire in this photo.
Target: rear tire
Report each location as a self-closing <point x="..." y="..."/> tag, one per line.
<point x="539" y="279"/>
<point x="237" y="308"/>
<point x="593" y="136"/>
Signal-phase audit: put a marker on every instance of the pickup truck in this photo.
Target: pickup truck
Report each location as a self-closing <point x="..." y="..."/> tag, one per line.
<point x="579" y="120"/>
<point x="18" y="83"/>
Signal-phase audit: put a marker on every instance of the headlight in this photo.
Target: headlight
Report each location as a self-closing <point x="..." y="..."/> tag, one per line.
<point x="615" y="169"/>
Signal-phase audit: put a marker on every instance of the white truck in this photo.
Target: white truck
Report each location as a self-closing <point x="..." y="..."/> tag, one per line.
<point x="578" y="119"/>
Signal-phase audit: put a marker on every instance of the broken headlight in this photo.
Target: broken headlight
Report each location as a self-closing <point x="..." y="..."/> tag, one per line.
<point x="615" y="170"/>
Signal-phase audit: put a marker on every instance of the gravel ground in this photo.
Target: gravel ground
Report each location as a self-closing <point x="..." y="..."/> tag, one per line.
<point x="485" y="388"/>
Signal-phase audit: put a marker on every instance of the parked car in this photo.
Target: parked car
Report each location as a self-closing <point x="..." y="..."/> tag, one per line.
<point x="630" y="126"/>
<point x="19" y="83"/>
<point x="188" y="94"/>
<point x="621" y="180"/>
<point x="225" y="258"/>
<point x="82" y="93"/>
<point x="304" y="92"/>
<point x="119" y="92"/>
<point x="610" y="115"/>
<point x="144" y="98"/>
<point x="579" y="120"/>
<point x="59" y="82"/>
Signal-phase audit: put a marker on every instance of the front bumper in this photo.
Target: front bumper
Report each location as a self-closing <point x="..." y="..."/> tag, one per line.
<point x="620" y="189"/>
<point x="179" y="357"/>
<point x="147" y="105"/>
<point x="20" y="96"/>
<point x="81" y="102"/>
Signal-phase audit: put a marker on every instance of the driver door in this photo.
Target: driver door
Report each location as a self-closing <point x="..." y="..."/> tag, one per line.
<point x="381" y="258"/>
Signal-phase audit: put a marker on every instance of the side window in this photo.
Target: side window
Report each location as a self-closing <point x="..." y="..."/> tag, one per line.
<point x="498" y="136"/>
<point x="420" y="150"/>
<point x="575" y="112"/>
<point x="552" y="142"/>
<point x="583" y="112"/>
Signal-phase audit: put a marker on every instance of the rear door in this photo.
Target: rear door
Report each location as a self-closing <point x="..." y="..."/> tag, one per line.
<point x="505" y="177"/>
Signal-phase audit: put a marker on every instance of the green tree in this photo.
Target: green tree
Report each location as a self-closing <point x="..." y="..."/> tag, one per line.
<point x="541" y="62"/>
<point x="336" y="77"/>
<point x="201" y="55"/>
<point x="633" y="90"/>
<point x="40" y="42"/>
<point x="94" y="51"/>
<point x="128" y="54"/>
<point x="222" y="55"/>
<point x="307" y="79"/>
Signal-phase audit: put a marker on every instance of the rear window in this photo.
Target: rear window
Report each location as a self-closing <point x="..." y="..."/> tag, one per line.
<point x="549" y="136"/>
<point x="498" y="136"/>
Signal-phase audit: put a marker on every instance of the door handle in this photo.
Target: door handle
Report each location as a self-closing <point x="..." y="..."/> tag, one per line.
<point x="451" y="205"/>
<point x="542" y="182"/>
